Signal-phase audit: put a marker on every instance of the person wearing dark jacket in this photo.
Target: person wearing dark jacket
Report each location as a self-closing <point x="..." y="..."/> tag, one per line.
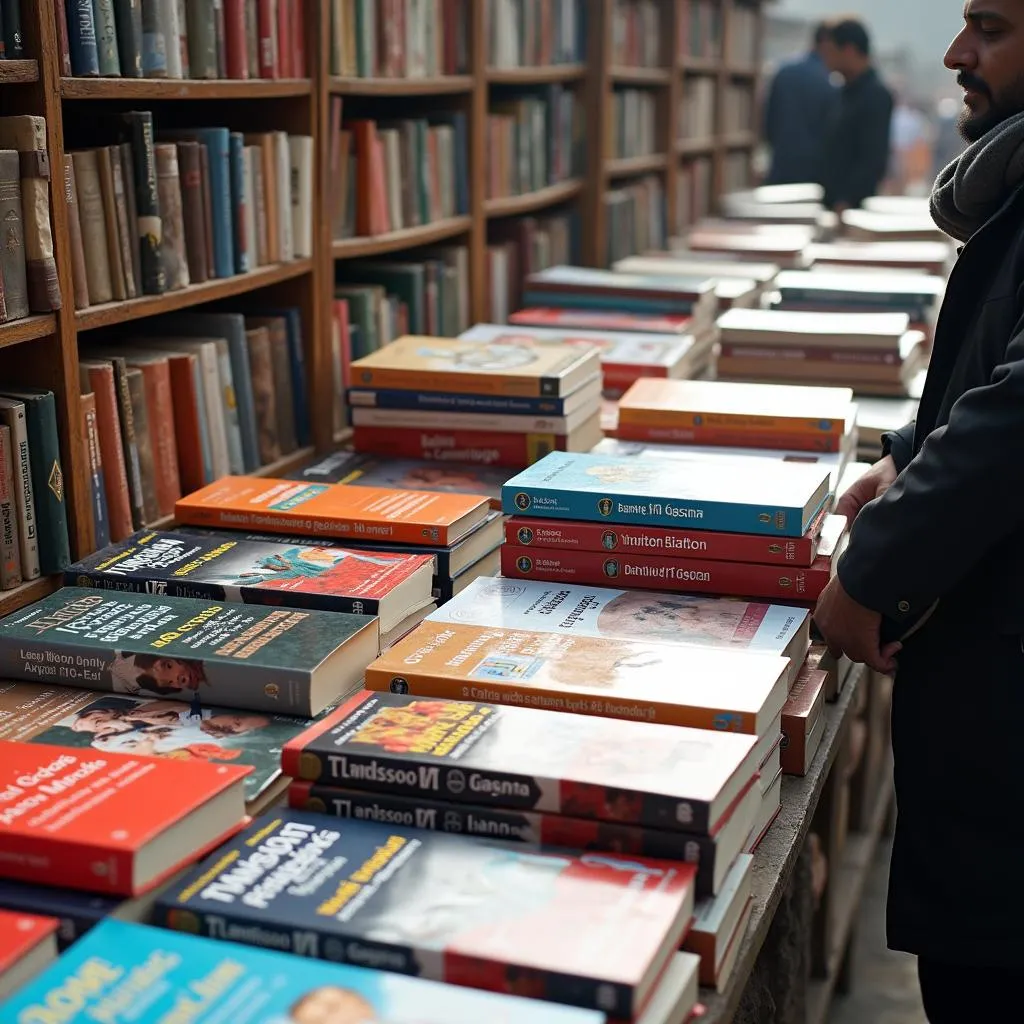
<point x="932" y="583"/>
<point x="799" y="104"/>
<point x="856" y="143"/>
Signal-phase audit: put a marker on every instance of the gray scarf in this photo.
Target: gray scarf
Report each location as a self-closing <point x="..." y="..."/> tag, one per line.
<point x="978" y="182"/>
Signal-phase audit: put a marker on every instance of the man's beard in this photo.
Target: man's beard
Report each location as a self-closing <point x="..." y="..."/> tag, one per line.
<point x="973" y="126"/>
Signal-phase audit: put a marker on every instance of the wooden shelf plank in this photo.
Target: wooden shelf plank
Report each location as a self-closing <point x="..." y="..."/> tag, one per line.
<point x="182" y="89"/>
<point x="28" y="329"/>
<point x="220" y="288"/>
<point x="507" y="206"/>
<point x="700" y="65"/>
<point x="36" y="590"/>
<point x="440" y="85"/>
<point x="640" y="76"/>
<point x="694" y="147"/>
<point x="542" y="75"/>
<point x="14" y="71"/>
<point x="407" y="238"/>
<point x="619" y="167"/>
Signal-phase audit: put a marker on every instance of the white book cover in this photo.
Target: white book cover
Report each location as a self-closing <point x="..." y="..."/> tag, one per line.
<point x="300" y="148"/>
<point x="686" y="620"/>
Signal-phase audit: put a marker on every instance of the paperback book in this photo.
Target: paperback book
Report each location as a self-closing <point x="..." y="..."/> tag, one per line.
<point x="27" y="944"/>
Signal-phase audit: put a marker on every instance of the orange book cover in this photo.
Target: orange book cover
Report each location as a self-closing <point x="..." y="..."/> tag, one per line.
<point x="703" y="688"/>
<point x="770" y="408"/>
<point x="333" y="510"/>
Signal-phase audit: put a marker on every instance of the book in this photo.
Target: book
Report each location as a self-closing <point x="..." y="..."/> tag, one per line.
<point x="586" y="319"/>
<point x="12" y="415"/>
<point x="665" y="777"/>
<point x="801" y="718"/>
<point x="229" y="568"/>
<point x="518" y="367"/>
<point x="686" y="619"/>
<point x="774" y="499"/>
<point x="254" y="986"/>
<point x="112" y="824"/>
<point x="62" y="716"/>
<point x="590" y="288"/>
<point x="10" y="550"/>
<point x="476" y="913"/>
<point x="339" y="511"/>
<point x="28" y="943"/>
<point x="733" y="691"/>
<point x="276" y="660"/>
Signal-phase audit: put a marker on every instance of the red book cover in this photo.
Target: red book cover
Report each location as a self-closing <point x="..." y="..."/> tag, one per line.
<point x="267" y="25"/>
<point x="566" y="535"/>
<point x="63" y="48"/>
<point x="729" y="438"/>
<point x="677" y="574"/>
<point x="234" y="39"/>
<point x="187" y="406"/>
<point x="582" y="319"/>
<point x="800" y="716"/>
<point x="284" y="39"/>
<point x="108" y="822"/>
<point x="475" y="447"/>
<point x="20" y="934"/>
<point x="300" y="68"/>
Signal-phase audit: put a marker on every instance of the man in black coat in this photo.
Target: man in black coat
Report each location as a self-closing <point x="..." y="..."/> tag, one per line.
<point x="932" y="584"/>
<point x="856" y="142"/>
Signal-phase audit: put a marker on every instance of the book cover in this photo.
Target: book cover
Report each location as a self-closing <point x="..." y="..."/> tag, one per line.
<point x="665" y="777"/>
<point x="687" y="619"/>
<point x="28" y="942"/>
<point x="587" y="280"/>
<point x="777" y="500"/>
<point x="234" y="569"/>
<point x="278" y="660"/>
<point x="471" y="912"/>
<point x="338" y="511"/>
<point x="80" y="720"/>
<point x="731" y="691"/>
<point x="75" y="912"/>
<point x="223" y="981"/>
<point x="582" y="319"/>
<point x="110" y="823"/>
<point x="518" y="366"/>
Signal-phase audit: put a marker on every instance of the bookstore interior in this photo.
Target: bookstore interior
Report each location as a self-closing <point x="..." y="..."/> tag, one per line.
<point x="355" y="355"/>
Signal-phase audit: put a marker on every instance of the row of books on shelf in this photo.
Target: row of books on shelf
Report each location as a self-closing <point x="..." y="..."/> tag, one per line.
<point x="535" y="33"/>
<point x="399" y="38"/>
<point x="637" y="36"/>
<point x="188" y="39"/>
<point x="697" y="117"/>
<point x="637" y="123"/>
<point x="636" y="216"/>
<point x="701" y="29"/>
<point x="12" y="43"/>
<point x="155" y="214"/>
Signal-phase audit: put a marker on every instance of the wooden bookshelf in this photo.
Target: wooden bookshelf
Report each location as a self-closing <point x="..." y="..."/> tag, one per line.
<point x="43" y="350"/>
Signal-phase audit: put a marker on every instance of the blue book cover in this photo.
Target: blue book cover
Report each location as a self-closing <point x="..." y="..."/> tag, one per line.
<point x="85" y="57"/>
<point x="130" y="972"/>
<point x="776" y="499"/>
<point x="486" y="914"/>
<point x="439" y="401"/>
<point x="243" y="245"/>
<point x="76" y="911"/>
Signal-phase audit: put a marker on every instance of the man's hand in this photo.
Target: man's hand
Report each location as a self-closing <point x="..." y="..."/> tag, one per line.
<point x="851" y="629"/>
<point x="873" y="484"/>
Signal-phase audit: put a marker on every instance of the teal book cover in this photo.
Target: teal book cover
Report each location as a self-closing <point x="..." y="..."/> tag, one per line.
<point x="131" y="972"/>
<point x="267" y="659"/>
<point x="775" y="499"/>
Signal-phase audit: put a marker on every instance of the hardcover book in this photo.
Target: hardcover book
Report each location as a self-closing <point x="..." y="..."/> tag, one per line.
<point x="222" y="981"/>
<point x="730" y="691"/>
<point x="518" y="366"/>
<point x="113" y="823"/>
<point x="719" y="923"/>
<point x="28" y="943"/>
<point x="450" y="908"/>
<point x="277" y="660"/>
<point x="777" y="500"/>
<point x="686" y="619"/>
<point x="338" y="511"/>
<point x="227" y="568"/>
<point x="515" y="757"/>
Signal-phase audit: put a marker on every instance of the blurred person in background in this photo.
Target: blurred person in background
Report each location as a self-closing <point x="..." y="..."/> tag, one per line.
<point x="931" y="586"/>
<point x="949" y="143"/>
<point x="910" y="141"/>
<point x="856" y="145"/>
<point x="800" y="101"/>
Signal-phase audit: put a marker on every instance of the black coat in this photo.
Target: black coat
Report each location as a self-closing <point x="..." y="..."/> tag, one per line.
<point x="951" y="530"/>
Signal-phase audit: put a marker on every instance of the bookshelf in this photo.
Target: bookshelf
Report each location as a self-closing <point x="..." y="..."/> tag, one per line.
<point x="43" y="350"/>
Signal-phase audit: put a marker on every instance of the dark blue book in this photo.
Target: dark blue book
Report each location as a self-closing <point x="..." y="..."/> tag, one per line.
<point x="85" y="57"/>
<point x="76" y="911"/>
<point x="128" y="17"/>
<point x="439" y="401"/>
<point x="243" y="245"/>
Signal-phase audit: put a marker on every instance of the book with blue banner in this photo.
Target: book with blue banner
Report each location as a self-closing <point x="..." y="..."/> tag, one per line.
<point x="776" y="499"/>
<point x="130" y="972"/>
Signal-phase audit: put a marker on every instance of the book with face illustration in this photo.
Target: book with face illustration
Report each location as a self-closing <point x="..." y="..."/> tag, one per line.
<point x="591" y="930"/>
<point x="637" y="680"/>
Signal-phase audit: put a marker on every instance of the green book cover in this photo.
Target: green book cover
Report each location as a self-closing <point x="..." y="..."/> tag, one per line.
<point x="279" y="660"/>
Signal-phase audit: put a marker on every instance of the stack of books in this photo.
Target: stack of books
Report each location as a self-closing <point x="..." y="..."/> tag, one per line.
<point x="746" y="241"/>
<point x="888" y="225"/>
<point x="736" y="284"/>
<point x="501" y="403"/>
<point x="918" y="257"/>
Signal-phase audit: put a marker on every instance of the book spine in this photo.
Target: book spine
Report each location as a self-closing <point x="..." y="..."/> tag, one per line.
<point x="283" y="177"/>
<point x="79" y="275"/>
<point x="712" y="436"/>
<point x="252" y="37"/>
<point x="605" y="568"/>
<point x="264" y="389"/>
<point x="171" y="26"/>
<point x="795" y="734"/>
<point x="149" y="229"/>
<point x="160" y="405"/>
<point x="677" y="419"/>
<point x="202" y="39"/>
<point x="10" y="36"/>
<point x="129" y="442"/>
<point x="217" y="142"/>
<point x="297" y="355"/>
<point x="432" y="401"/>
<point x="546" y="536"/>
<point x="173" y="249"/>
<point x="229" y="409"/>
<point x="398" y="379"/>
<point x="436" y="814"/>
<point x="472" y="422"/>
<point x="193" y="219"/>
<point x="870" y="357"/>
<point x="24" y="500"/>
<point x="154" y="44"/>
<point x="188" y="433"/>
<point x="610" y="302"/>
<point x="284" y="404"/>
<point x="181" y="5"/>
<point x="93" y="218"/>
<point x="220" y="38"/>
<point x="148" y="470"/>
<point x="128" y="14"/>
<point x="13" y="269"/>
<point x="10" y="551"/>
<point x="267" y="30"/>
<point x="249" y="200"/>
<point x="115" y="475"/>
<point x="106" y="38"/>
<point x="244" y="403"/>
<point x="94" y="460"/>
<point x="63" y="41"/>
<point x="235" y="40"/>
<point x="85" y="59"/>
<point x="466" y="446"/>
<point x="123" y="230"/>
<point x="67" y="863"/>
<point x="300" y="151"/>
<point x="243" y="257"/>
